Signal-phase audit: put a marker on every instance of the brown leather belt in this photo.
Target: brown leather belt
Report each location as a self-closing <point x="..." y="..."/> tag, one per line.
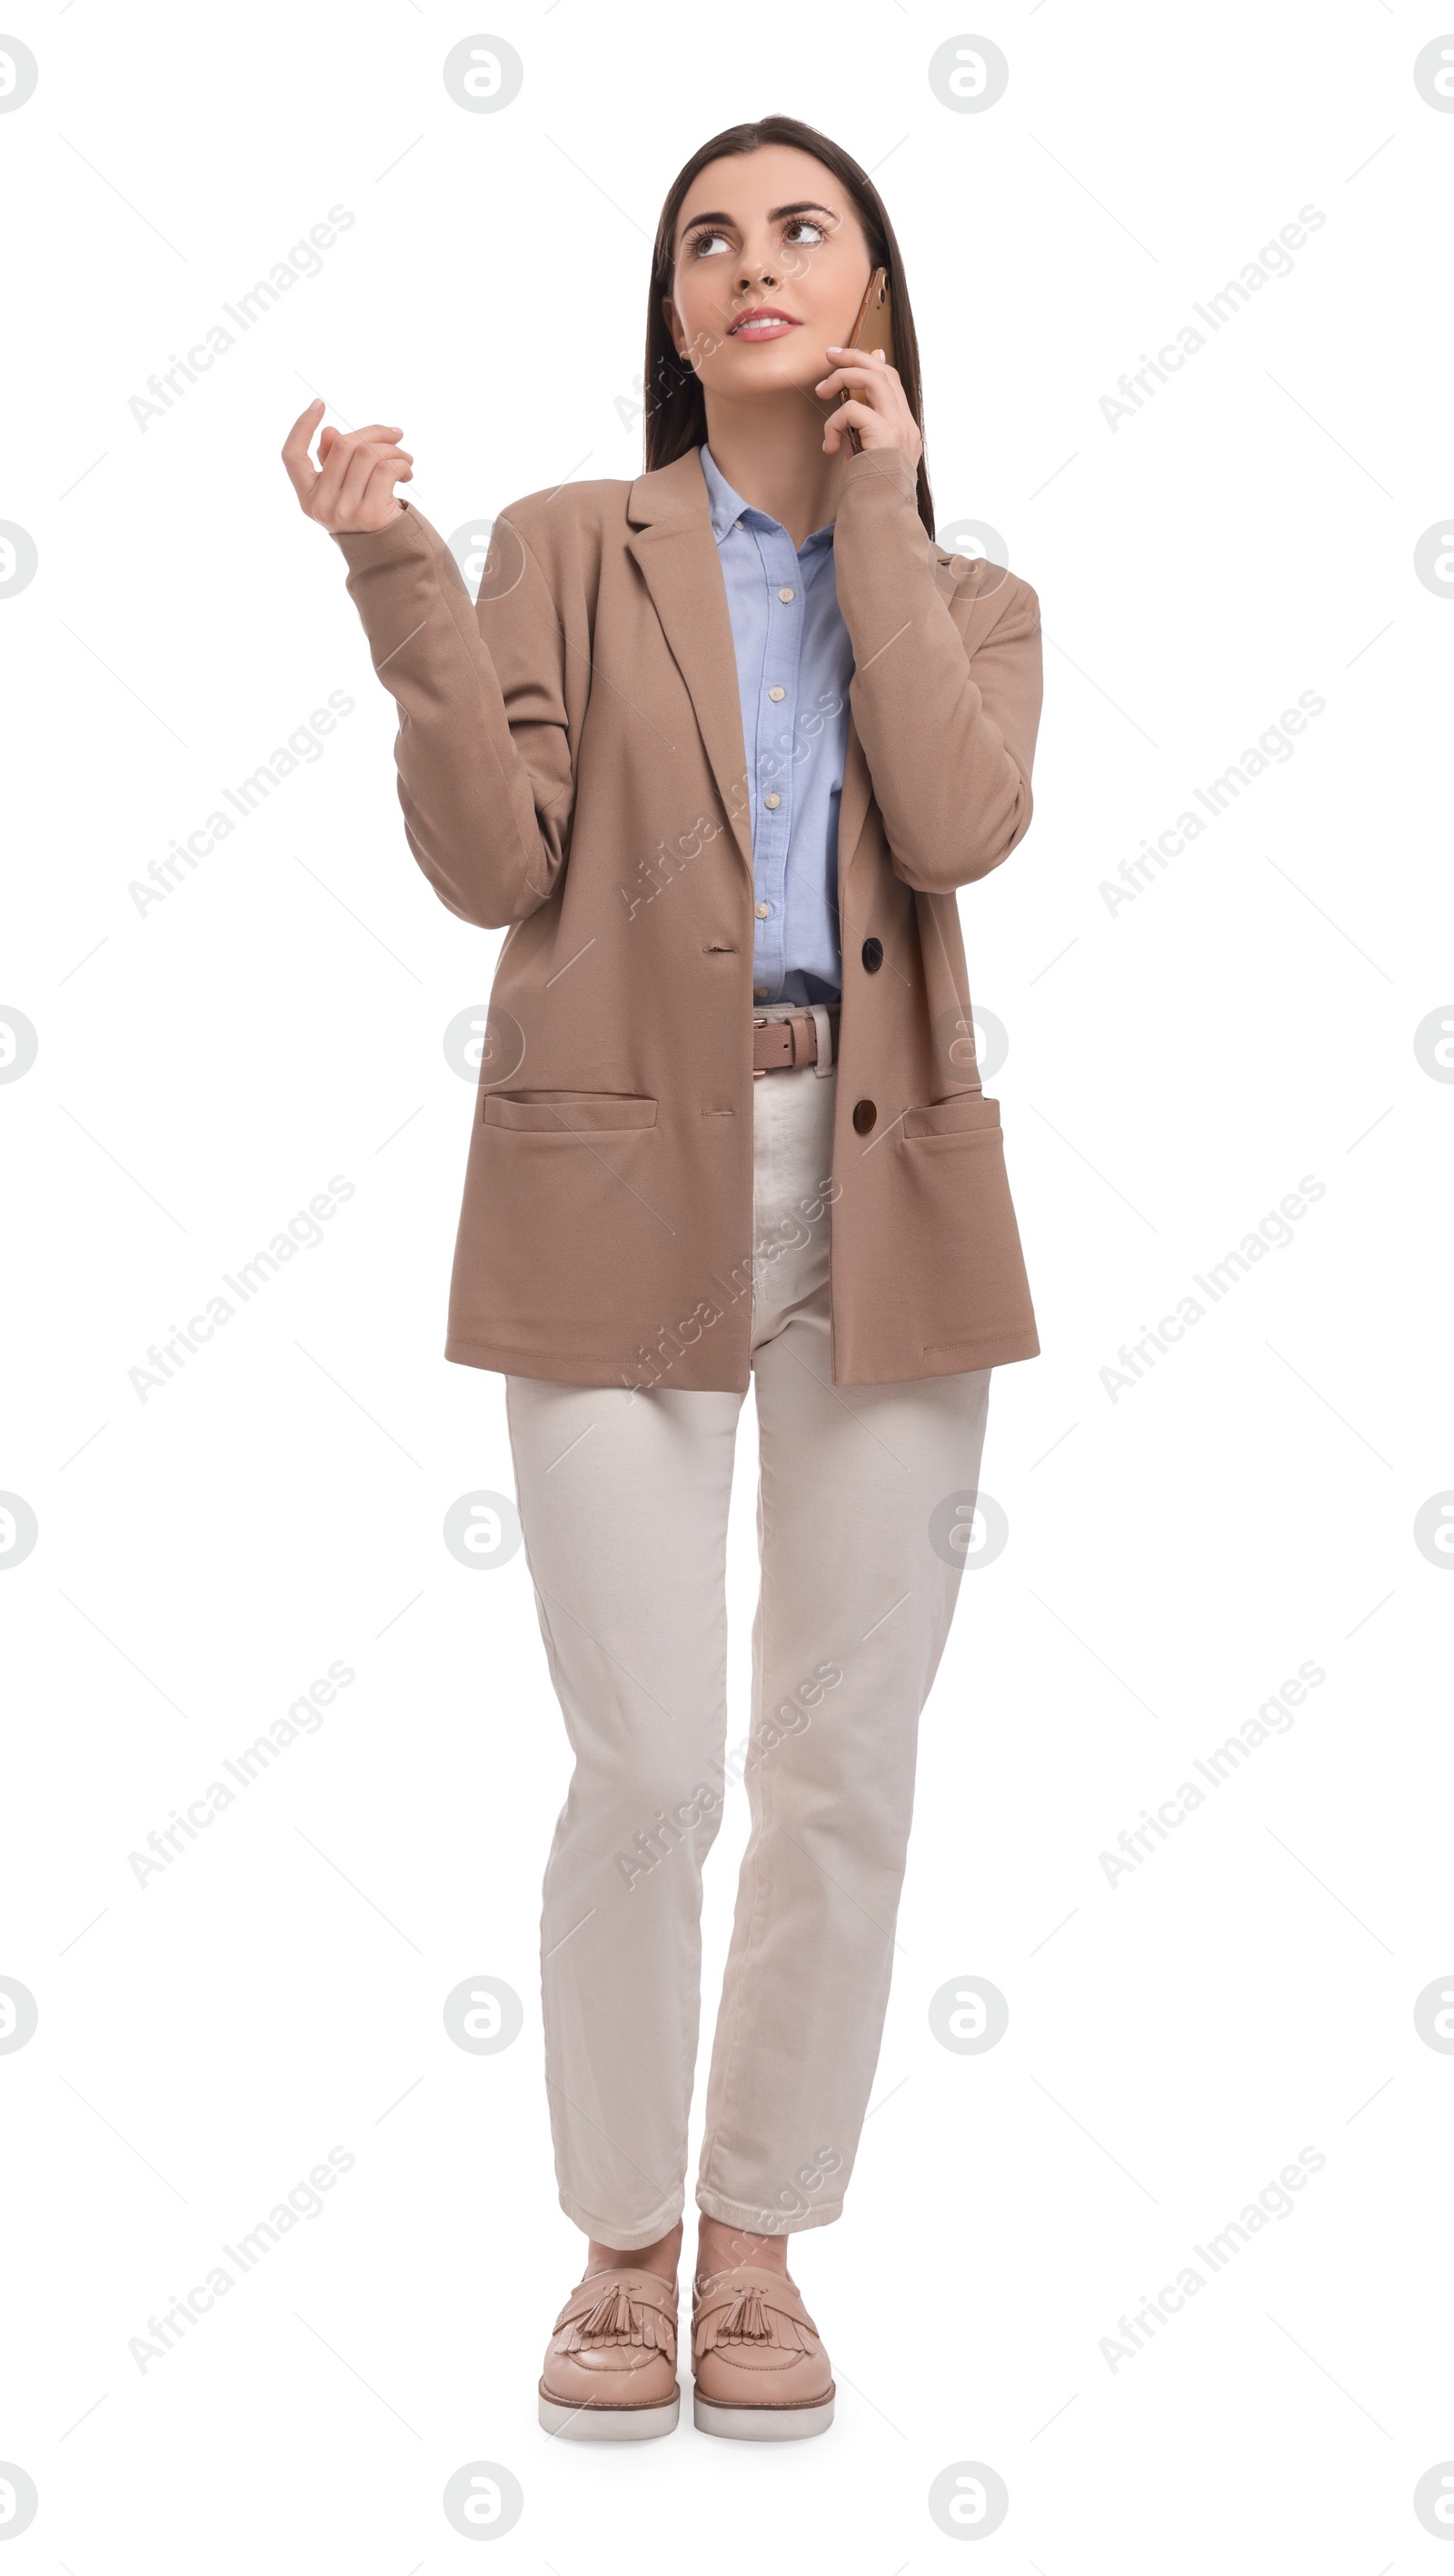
<point x="778" y="1046"/>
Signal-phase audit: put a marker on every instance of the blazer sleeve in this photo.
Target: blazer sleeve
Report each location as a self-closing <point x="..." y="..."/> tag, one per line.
<point x="484" y="753"/>
<point x="947" y="711"/>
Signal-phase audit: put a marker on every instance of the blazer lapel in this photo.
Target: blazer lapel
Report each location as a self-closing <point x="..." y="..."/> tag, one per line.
<point x="677" y="553"/>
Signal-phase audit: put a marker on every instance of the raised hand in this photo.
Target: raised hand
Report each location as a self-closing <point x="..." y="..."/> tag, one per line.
<point x="877" y="405"/>
<point x="352" y="490"/>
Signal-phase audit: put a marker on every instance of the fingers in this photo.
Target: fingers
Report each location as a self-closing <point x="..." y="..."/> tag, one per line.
<point x="379" y="433"/>
<point x="295" y="452"/>
<point x="380" y="502"/>
<point x="874" y="429"/>
<point x="367" y="498"/>
<point x="874" y="402"/>
<point x="849" y="415"/>
<point x="330" y="482"/>
<point x="867" y="372"/>
<point x="363" y="466"/>
<point x="349" y="461"/>
<point x="347" y="468"/>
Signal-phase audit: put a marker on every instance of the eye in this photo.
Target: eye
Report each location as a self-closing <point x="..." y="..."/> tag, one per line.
<point x="798" y="223"/>
<point x="706" y="244"/>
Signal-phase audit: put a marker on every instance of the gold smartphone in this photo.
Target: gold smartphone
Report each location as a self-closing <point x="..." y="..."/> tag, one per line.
<point x="874" y="329"/>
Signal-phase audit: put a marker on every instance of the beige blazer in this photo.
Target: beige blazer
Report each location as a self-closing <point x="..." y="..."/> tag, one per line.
<point x="571" y="762"/>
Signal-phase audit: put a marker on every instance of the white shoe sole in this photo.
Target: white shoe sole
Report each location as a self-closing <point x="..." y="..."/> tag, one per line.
<point x="609" y="2423"/>
<point x="761" y="2423"/>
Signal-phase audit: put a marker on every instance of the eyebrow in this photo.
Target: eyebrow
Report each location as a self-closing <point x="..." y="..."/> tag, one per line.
<point x="803" y="206"/>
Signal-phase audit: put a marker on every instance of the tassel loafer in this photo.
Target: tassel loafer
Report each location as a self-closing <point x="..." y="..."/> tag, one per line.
<point x="610" y="2367"/>
<point x="762" y="2374"/>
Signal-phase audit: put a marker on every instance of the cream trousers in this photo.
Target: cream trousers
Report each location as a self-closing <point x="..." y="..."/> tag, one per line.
<point x="623" y="1497"/>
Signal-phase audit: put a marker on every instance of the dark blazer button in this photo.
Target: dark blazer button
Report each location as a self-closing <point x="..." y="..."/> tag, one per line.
<point x="864" y="1114"/>
<point x="873" y="955"/>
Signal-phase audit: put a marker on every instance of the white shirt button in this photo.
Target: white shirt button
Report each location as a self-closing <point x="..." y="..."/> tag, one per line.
<point x="772" y="800"/>
<point x="762" y="910"/>
<point x="777" y="693"/>
<point x="786" y="595"/>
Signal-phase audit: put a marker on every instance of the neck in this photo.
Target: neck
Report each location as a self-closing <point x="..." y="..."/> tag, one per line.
<point x="770" y="448"/>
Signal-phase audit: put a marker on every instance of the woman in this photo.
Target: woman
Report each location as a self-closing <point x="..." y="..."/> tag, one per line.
<point x="718" y="744"/>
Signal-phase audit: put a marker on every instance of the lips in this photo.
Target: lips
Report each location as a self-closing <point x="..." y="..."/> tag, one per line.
<point x="761" y="322"/>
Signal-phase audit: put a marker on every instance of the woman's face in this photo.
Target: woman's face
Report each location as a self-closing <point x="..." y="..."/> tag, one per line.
<point x="769" y="233"/>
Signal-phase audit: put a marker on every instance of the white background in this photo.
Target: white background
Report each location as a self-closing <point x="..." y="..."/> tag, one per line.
<point x="1175" y="1067"/>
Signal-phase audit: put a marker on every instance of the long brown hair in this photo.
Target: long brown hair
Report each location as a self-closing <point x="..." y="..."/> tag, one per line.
<point x="676" y="410"/>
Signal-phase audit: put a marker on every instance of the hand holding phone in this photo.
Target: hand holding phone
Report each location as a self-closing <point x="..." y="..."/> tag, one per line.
<point x="875" y="391"/>
<point x="873" y="329"/>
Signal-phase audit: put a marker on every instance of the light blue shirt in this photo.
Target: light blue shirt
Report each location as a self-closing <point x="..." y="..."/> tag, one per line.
<point x="794" y="663"/>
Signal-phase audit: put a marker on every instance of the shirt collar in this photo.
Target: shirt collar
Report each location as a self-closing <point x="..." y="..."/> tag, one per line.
<point x="727" y="507"/>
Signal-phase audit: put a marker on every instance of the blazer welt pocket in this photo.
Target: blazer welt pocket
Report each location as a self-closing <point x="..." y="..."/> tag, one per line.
<point x="568" y="1113"/>
<point x="968" y="1114"/>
